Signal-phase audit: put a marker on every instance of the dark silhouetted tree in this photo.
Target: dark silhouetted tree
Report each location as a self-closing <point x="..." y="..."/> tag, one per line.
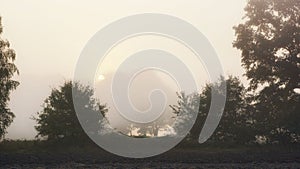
<point x="270" y="43"/>
<point x="269" y="40"/>
<point x="236" y="125"/>
<point x="58" y="119"/>
<point x="7" y="84"/>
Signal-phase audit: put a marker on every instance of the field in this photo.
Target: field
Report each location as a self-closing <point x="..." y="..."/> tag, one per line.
<point x="36" y="154"/>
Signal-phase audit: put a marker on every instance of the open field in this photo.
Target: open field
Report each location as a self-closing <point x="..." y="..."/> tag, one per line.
<point x="175" y="159"/>
<point x="13" y="155"/>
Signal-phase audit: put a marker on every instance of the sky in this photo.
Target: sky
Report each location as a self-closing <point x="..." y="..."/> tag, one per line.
<point x="48" y="37"/>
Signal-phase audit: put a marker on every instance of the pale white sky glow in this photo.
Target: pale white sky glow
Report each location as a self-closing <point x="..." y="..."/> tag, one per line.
<point x="48" y="36"/>
<point x="101" y="77"/>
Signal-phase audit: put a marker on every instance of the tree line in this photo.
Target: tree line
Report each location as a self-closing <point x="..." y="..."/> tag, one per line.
<point x="265" y="112"/>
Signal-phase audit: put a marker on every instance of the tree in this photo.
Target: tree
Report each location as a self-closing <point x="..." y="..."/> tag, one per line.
<point x="269" y="40"/>
<point x="277" y="115"/>
<point x="185" y="111"/>
<point x="58" y="118"/>
<point x="236" y="124"/>
<point x="7" y="84"/>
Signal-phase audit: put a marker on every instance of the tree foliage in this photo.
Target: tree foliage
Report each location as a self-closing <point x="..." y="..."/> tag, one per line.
<point x="270" y="44"/>
<point x="7" y="70"/>
<point x="58" y="119"/>
<point x="185" y="111"/>
<point x="236" y="124"/>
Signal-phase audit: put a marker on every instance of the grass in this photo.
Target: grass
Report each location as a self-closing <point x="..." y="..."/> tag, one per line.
<point x="42" y="146"/>
<point x="23" y="152"/>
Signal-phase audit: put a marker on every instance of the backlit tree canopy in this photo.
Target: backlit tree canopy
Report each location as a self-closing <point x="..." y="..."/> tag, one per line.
<point x="7" y="70"/>
<point x="270" y="43"/>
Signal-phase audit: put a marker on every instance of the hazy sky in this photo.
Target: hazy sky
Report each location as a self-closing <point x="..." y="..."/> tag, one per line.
<point x="48" y="36"/>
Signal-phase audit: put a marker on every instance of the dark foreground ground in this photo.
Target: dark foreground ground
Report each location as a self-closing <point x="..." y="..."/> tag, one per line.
<point x="60" y="158"/>
<point x="174" y="159"/>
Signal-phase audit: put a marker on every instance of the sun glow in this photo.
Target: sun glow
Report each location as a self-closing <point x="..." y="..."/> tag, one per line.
<point x="101" y="77"/>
